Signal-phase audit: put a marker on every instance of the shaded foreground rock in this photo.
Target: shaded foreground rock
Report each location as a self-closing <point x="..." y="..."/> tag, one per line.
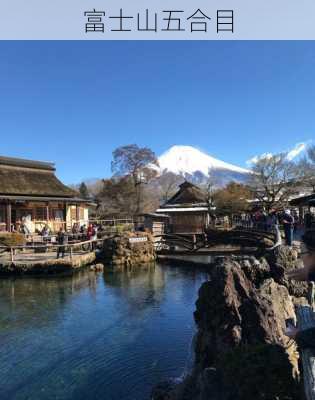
<point x="241" y="352"/>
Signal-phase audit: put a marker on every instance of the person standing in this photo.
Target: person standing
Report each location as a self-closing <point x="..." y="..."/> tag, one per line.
<point x="272" y="221"/>
<point x="308" y="221"/>
<point x="90" y="234"/>
<point x="94" y="237"/>
<point x="62" y="240"/>
<point x="288" y="224"/>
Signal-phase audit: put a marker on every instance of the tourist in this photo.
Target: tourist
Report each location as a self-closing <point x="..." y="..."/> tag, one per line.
<point x="213" y="219"/>
<point x="75" y="228"/>
<point x="306" y="337"/>
<point x="91" y="234"/>
<point x="24" y="228"/>
<point x="226" y="222"/>
<point x="308" y="220"/>
<point x="258" y="220"/>
<point x="45" y="231"/>
<point x="94" y="237"/>
<point x="62" y="240"/>
<point x="272" y="221"/>
<point x="288" y="223"/>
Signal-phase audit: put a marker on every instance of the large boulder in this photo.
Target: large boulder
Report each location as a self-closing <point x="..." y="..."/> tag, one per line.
<point x="128" y="248"/>
<point x="281" y="260"/>
<point x="231" y="311"/>
<point x="241" y="351"/>
<point x="235" y="317"/>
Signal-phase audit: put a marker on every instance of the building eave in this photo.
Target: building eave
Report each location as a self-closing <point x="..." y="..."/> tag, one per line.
<point x="182" y="209"/>
<point x="46" y="199"/>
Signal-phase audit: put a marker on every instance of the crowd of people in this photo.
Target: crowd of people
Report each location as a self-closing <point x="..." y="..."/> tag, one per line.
<point x="85" y="233"/>
<point x="289" y="220"/>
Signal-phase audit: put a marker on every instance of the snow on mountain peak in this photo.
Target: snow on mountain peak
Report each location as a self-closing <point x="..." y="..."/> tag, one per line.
<point x="188" y="160"/>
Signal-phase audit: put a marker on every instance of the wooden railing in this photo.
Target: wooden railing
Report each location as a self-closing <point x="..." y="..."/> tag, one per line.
<point x="69" y="247"/>
<point x="34" y="238"/>
<point x="114" y="221"/>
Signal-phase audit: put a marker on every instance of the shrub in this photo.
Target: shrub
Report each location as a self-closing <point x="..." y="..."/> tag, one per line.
<point x="12" y="239"/>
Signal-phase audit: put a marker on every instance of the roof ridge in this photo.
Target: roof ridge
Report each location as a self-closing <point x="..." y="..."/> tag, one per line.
<point x="22" y="162"/>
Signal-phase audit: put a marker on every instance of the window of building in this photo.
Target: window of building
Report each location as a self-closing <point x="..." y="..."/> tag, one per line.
<point x="57" y="214"/>
<point x="2" y="214"/>
<point x="40" y="214"/>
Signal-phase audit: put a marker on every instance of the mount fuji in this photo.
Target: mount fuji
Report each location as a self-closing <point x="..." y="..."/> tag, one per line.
<point x="197" y="166"/>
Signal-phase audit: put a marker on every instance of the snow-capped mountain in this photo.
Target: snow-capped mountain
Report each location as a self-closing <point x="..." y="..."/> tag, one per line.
<point x="195" y="165"/>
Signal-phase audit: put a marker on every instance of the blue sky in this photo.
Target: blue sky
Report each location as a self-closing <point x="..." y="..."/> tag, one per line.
<point x="75" y="102"/>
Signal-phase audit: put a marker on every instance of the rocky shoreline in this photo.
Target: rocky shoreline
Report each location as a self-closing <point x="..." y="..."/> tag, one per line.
<point x="241" y="352"/>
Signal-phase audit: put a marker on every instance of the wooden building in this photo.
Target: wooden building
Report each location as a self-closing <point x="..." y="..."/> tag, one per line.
<point x="306" y="206"/>
<point x="31" y="194"/>
<point x="305" y="201"/>
<point x="188" y="210"/>
<point x="156" y="223"/>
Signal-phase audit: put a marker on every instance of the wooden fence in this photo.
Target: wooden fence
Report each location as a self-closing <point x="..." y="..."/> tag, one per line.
<point x="86" y="246"/>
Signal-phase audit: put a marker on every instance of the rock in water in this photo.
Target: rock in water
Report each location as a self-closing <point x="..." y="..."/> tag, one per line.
<point x="236" y="320"/>
<point x="241" y="352"/>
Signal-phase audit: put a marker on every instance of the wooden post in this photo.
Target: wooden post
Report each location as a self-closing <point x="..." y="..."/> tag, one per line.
<point x="8" y="217"/>
<point x="47" y="213"/>
<point x="194" y="242"/>
<point x="77" y="213"/>
<point x="65" y="210"/>
<point x="12" y="254"/>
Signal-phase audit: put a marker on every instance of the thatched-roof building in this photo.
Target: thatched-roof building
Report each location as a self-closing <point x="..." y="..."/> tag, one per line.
<point x="188" y="210"/>
<point x="32" y="195"/>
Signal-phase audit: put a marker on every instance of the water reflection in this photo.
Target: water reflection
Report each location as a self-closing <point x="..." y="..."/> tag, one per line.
<point x="95" y="336"/>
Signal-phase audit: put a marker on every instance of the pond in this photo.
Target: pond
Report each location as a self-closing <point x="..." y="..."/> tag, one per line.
<point x="110" y="335"/>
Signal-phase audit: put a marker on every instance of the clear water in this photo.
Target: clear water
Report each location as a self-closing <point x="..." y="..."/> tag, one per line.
<point x="105" y="336"/>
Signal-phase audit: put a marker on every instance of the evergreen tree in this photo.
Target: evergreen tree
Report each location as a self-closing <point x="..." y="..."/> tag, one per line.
<point x="84" y="192"/>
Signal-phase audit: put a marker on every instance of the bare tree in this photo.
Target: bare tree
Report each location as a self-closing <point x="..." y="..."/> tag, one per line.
<point x="137" y="162"/>
<point x="307" y="168"/>
<point x="168" y="184"/>
<point x="210" y="187"/>
<point x="233" y="198"/>
<point x="273" y="180"/>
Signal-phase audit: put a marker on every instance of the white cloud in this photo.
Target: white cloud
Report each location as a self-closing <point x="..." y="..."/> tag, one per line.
<point x="293" y="153"/>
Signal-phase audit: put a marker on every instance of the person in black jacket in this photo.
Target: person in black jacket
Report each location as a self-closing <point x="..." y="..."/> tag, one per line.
<point x="288" y="225"/>
<point x="305" y="338"/>
<point x="62" y="240"/>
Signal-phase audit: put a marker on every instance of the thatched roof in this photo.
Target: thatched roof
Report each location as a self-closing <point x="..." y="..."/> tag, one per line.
<point x="30" y="178"/>
<point x="188" y="194"/>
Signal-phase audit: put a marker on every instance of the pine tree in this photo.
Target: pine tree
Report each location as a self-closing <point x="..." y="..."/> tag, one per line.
<point x="84" y="192"/>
